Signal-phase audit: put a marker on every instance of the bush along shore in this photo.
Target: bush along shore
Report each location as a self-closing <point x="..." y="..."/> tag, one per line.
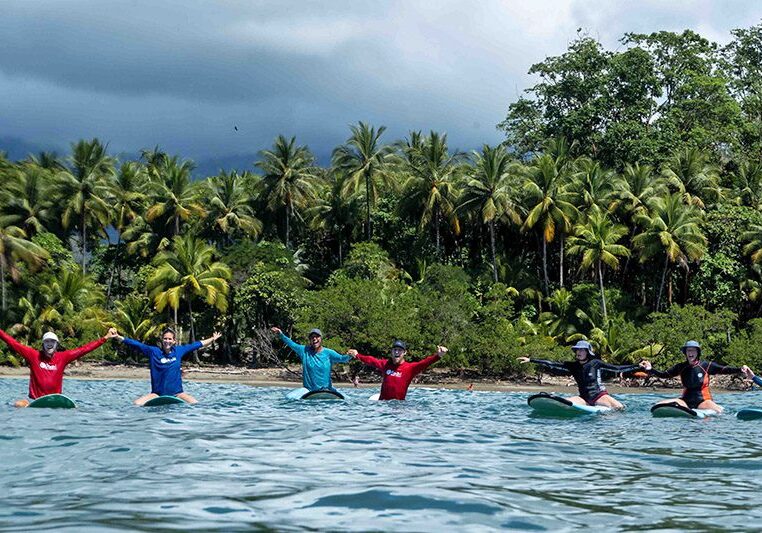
<point x="624" y="207"/>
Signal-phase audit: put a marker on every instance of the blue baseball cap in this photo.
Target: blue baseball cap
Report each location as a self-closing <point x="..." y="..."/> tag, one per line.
<point x="315" y="331"/>
<point x="399" y="344"/>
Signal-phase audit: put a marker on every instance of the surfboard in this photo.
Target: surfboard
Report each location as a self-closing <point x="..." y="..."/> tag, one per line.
<point x="303" y="393"/>
<point x="675" y="410"/>
<point x="375" y="397"/>
<point x="552" y="405"/>
<point x="750" y="413"/>
<point x="323" y="394"/>
<point x="53" y="401"/>
<point x="163" y="400"/>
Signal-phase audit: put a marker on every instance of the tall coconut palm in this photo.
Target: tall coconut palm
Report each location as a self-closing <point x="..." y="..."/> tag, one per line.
<point x="672" y="229"/>
<point x="334" y="212"/>
<point x="365" y="161"/>
<point x="490" y="190"/>
<point x="591" y="186"/>
<point x="84" y="191"/>
<point x="430" y="190"/>
<point x="28" y="202"/>
<point x="548" y="204"/>
<point x="230" y="206"/>
<point x="290" y="179"/>
<point x="188" y="271"/>
<point x="173" y="194"/>
<point x="596" y="240"/>
<point x="690" y="173"/>
<point x="134" y="318"/>
<point x="15" y="248"/>
<point x="754" y="245"/>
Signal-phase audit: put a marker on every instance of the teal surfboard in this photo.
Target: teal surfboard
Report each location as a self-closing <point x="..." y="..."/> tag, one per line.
<point x="552" y="405"/>
<point x="163" y="400"/>
<point x="750" y="413"/>
<point x="53" y="401"/>
<point x="675" y="410"/>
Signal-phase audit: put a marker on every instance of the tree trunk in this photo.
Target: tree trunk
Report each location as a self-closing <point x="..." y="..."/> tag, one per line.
<point x="661" y="285"/>
<point x="603" y="293"/>
<point x="84" y="242"/>
<point x="368" y="232"/>
<point x="545" y="265"/>
<point x="288" y="224"/>
<point x="436" y="228"/>
<point x="2" y="281"/>
<point x="492" y="244"/>
<point x="561" y="267"/>
<point x="177" y="225"/>
<point x="192" y="331"/>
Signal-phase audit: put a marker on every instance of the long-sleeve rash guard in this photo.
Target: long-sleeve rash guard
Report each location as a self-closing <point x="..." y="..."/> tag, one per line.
<point x="316" y="366"/>
<point x="695" y="379"/>
<point x="397" y="378"/>
<point x="46" y="373"/>
<point x="757" y="380"/>
<point x="166" y="371"/>
<point x="587" y="374"/>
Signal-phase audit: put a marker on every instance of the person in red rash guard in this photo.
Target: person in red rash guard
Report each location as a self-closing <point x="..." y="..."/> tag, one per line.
<point x="397" y="372"/>
<point x="46" y="366"/>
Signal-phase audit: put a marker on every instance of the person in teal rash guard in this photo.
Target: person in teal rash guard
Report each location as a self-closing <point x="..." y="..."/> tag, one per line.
<point x="316" y="359"/>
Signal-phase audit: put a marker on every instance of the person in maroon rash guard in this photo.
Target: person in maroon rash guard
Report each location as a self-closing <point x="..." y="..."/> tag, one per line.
<point x="46" y="365"/>
<point x="398" y="373"/>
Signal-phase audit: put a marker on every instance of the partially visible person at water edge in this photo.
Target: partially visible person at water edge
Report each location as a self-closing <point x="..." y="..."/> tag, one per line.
<point x="398" y="373"/>
<point x="316" y="359"/>
<point x="694" y="375"/>
<point x="749" y="374"/>
<point x="165" y="364"/>
<point x="46" y="365"/>
<point x="586" y="371"/>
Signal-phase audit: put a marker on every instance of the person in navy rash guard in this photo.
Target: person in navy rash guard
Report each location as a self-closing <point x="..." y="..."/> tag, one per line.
<point x="166" y="375"/>
<point x="586" y="371"/>
<point x="398" y="373"/>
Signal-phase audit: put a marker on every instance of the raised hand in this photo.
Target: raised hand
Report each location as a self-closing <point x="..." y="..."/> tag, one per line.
<point x="352" y="353"/>
<point x="276" y="330"/>
<point x="523" y="360"/>
<point x="747" y="372"/>
<point x="441" y="351"/>
<point x="111" y="334"/>
<point x="645" y="364"/>
<point x="216" y="335"/>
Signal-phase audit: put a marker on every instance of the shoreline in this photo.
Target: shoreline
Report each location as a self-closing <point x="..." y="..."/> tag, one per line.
<point x="439" y="379"/>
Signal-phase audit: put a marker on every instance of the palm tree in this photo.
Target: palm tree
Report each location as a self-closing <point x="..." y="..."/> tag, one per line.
<point x="548" y="204"/>
<point x="693" y="176"/>
<point x="364" y="160"/>
<point x="754" y="246"/>
<point x="748" y="184"/>
<point x="188" y="271"/>
<point x="290" y="179"/>
<point x="334" y="213"/>
<point x="591" y="186"/>
<point x="596" y="240"/>
<point x="28" y="202"/>
<point x="84" y="191"/>
<point x="671" y="228"/>
<point x="174" y="196"/>
<point x="491" y="190"/>
<point x="430" y="189"/>
<point x="230" y="205"/>
<point x="14" y="247"/>
<point x="134" y="318"/>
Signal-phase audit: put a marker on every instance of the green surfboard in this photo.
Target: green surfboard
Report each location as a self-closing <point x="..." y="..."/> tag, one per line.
<point x="163" y="400"/>
<point x="53" y="401"/>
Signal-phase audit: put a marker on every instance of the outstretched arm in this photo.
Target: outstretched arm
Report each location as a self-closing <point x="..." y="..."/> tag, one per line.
<point x="555" y="366"/>
<point x="76" y="353"/>
<point x="671" y="373"/>
<point x="24" y="351"/>
<point x="206" y="342"/>
<point x="378" y="364"/>
<point x="297" y="348"/>
<point x="714" y="368"/>
<point x="132" y="343"/>
<point x="423" y="364"/>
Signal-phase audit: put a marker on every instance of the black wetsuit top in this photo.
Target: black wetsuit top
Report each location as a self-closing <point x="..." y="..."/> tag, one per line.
<point x="587" y="374"/>
<point x="695" y="379"/>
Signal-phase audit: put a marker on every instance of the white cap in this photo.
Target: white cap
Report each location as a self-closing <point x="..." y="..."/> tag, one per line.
<point x="50" y="336"/>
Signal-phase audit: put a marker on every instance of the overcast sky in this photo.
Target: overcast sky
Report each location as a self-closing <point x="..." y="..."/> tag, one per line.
<point x="181" y="74"/>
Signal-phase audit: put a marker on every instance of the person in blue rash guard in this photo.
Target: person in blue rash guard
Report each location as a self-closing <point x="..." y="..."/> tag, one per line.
<point x="316" y="360"/>
<point x="166" y="375"/>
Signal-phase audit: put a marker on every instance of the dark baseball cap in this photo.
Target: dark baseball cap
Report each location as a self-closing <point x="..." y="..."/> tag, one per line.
<point x="399" y="344"/>
<point x="315" y="331"/>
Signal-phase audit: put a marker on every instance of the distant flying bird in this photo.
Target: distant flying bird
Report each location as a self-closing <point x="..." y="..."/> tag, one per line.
<point x="235" y="128"/>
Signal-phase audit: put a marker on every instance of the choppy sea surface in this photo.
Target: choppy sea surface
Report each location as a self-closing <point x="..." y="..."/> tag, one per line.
<point x="247" y="459"/>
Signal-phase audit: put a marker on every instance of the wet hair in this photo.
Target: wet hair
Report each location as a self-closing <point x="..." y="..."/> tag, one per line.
<point x="168" y="330"/>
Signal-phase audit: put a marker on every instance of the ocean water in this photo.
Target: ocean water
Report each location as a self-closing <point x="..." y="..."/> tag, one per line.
<point x="246" y="459"/>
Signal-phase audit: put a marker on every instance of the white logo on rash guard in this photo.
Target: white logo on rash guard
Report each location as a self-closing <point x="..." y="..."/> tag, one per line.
<point x="164" y="360"/>
<point x="700" y="375"/>
<point x="47" y="366"/>
<point x="393" y="373"/>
